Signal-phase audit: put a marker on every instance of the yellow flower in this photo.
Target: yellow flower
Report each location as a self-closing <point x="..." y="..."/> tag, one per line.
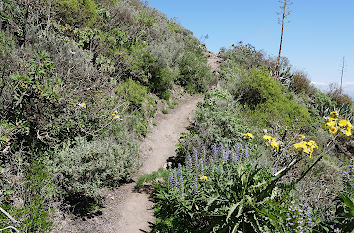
<point x="348" y="133"/>
<point x="330" y="124"/>
<point x="333" y="130"/>
<point x="306" y="147"/>
<point x="301" y="136"/>
<point x="271" y="142"/>
<point x="330" y="119"/>
<point x="116" y="116"/>
<point x="203" y="178"/>
<point x="300" y="145"/>
<point x="82" y="105"/>
<point x="275" y="145"/>
<point x="335" y="114"/>
<point x="342" y="123"/>
<point x="248" y="136"/>
<point x="312" y="144"/>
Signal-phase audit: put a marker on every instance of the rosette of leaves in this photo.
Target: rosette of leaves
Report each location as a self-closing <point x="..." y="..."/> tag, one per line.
<point x="285" y="76"/>
<point x="228" y="193"/>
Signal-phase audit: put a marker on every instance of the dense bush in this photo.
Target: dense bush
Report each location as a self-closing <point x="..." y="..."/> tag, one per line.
<point x="300" y="82"/>
<point x="77" y="13"/>
<point x="218" y="120"/>
<point x="264" y="100"/>
<point x="85" y="167"/>
<point x="337" y="95"/>
<point x="195" y="74"/>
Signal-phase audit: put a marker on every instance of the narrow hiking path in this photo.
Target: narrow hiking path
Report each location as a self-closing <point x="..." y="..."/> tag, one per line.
<point x="130" y="211"/>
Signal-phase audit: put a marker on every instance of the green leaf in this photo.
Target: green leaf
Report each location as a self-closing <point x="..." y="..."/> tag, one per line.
<point x="231" y="210"/>
<point x="349" y="203"/>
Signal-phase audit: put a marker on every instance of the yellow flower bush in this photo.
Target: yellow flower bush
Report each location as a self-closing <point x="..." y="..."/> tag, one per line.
<point x="306" y="147"/>
<point x="271" y="142"/>
<point x="338" y="127"/>
<point x="203" y="178"/>
<point x="247" y="136"/>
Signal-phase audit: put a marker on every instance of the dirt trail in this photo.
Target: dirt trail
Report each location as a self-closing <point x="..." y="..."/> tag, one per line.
<point x="129" y="211"/>
<point x="135" y="211"/>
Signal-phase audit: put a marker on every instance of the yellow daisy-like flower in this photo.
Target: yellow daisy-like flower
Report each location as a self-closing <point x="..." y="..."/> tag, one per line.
<point x="306" y="147"/>
<point x="342" y="123"/>
<point x="330" y="124"/>
<point x="335" y="114"/>
<point x="301" y="136"/>
<point x="248" y="136"/>
<point x="267" y="137"/>
<point x="271" y="142"/>
<point x="312" y="144"/>
<point x="203" y="178"/>
<point x="82" y="105"/>
<point x="348" y="133"/>
<point x="116" y="116"/>
<point x="333" y="130"/>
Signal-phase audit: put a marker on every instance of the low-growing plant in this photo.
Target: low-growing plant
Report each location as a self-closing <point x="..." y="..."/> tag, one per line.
<point x="219" y="119"/>
<point x="164" y="111"/>
<point x="336" y="93"/>
<point x="83" y="168"/>
<point x="195" y="74"/>
<point x="300" y="82"/>
<point x="225" y="190"/>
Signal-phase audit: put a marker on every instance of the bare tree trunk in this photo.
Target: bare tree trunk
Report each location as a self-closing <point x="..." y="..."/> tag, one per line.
<point x="281" y="41"/>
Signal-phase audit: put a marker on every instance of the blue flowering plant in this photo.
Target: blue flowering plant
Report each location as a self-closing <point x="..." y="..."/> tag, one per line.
<point x="224" y="190"/>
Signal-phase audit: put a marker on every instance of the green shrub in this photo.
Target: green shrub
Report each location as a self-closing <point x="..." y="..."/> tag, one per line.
<point x="322" y="103"/>
<point x="33" y="217"/>
<point x="244" y="55"/>
<point x="266" y="101"/>
<point x="162" y="81"/>
<point x="195" y="73"/>
<point x="134" y="93"/>
<point x="166" y="95"/>
<point x="218" y="120"/>
<point x="76" y="12"/>
<point x="164" y="111"/>
<point x="85" y="167"/>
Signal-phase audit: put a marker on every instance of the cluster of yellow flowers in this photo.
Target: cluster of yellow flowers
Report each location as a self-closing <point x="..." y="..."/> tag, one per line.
<point x="336" y="126"/>
<point x="271" y="142"/>
<point x="247" y="136"/>
<point x="203" y="178"/>
<point x="116" y="116"/>
<point x="306" y="147"/>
